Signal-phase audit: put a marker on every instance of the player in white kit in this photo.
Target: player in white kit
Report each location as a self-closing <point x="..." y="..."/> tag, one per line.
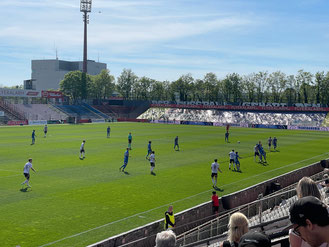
<point x="214" y="173"/>
<point x="82" y="149"/>
<point x="232" y="159"/>
<point x="152" y="162"/>
<point x="26" y="172"/>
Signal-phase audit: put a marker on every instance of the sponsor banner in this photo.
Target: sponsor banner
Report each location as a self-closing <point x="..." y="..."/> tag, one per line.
<point x="268" y="126"/>
<point x="52" y="94"/>
<point x="98" y="120"/>
<point x="245" y="107"/>
<point x="212" y="103"/>
<point x="244" y="125"/>
<point x="37" y="122"/>
<point x="293" y="127"/>
<point x="4" y="92"/>
<point x="196" y="123"/>
<point x="18" y="122"/>
<point x="2" y="113"/>
<point x="165" y="121"/>
<point x="132" y="120"/>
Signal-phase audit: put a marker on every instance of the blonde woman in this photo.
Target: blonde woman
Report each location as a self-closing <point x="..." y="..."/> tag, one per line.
<point x="305" y="187"/>
<point x="237" y="226"/>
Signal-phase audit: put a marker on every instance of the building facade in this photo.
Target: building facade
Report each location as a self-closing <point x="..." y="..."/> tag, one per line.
<point x="47" y="74"/>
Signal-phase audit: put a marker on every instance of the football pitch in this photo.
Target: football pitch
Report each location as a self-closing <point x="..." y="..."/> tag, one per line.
<point x="76" y="202"/>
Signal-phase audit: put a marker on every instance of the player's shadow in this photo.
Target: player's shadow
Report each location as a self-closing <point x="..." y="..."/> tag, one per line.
<point x="218" y="189"/>
<point x="153" y="174"/>
<point x="24" y="190"/>
<point x="264" y="163"/>
<point x="127" y="173"/>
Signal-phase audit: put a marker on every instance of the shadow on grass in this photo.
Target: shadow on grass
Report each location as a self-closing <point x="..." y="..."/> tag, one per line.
<point x="152" y="173"/>
<point x="24" y="190"/>
<point x="127" y="173"/>
<point x="218" y="189"/>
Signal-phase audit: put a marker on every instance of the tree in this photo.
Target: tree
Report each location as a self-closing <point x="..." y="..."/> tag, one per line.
<point x="183" y="87"/>
<point x="125" y="83"/>
<point x="210" y="83"/>
<point x="142" y="88"/>
<point x="277" y="84"/>
<point x="260" y="80"/>
<point x="73" y="85"/>
<point x="303" y="81"/>
<point x="249" y="88"/>
<point x="103" y="85"/>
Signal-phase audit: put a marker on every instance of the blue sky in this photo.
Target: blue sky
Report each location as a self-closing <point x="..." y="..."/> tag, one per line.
<point x="166" y="39"/>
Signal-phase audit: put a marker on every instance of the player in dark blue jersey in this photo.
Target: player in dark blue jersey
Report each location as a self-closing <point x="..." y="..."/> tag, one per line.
<point x="33" y="137"/>
<point x="176" y="144"/>
<point x="125" y="160"/>
<point x="149" y="150"/>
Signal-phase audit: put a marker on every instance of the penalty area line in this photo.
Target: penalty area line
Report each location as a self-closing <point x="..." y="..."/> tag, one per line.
<point x="189" y="197"/>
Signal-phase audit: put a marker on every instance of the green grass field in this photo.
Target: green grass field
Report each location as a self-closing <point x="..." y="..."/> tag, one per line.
<point x="77" y="202"/>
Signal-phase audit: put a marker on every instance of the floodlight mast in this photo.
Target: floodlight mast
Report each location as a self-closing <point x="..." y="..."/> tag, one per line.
<point x="85" y="7"/>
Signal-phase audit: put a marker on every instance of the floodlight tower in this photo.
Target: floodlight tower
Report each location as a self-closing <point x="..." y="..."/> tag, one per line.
<point x="85" y="7"/>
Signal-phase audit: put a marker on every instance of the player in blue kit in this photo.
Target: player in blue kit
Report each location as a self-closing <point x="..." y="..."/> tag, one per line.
<point x="33" y="137"/>
<point x="237" y="162"/>
<point x="130" y="139"/>
<point x="125" y="160"/>
<point x="149" y="149"/>
<point x="262" y="153"/>
<point x="176" y="144"/>
<point x="108" y="131"/>
<point x="275" y="142"/>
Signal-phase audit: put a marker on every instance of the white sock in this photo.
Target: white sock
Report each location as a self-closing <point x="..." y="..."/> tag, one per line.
<point x="229" y="165"/>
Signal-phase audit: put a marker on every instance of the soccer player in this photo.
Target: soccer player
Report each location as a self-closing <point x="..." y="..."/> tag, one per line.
<point x="256" y="149"/>
<point x="269" y="143"/>
<point x="262" y="153"/>
<point x="214" y="171"/>
<point x="108" y="130"/>
<point x="130" y="138"/>
<point x="33" y="137"/>
<point x="125" y="160"/>
<point x="149" y="150"/>
<point x="226" y="136"/>
<point x="176" y="144"/>
<point x="45" y="130"/>
<point x="82" y="149"/>
<point x="232" y="157"/>
<point x="26" y="172"/>
<point x="152" y="162"/>
<point x="275" y="142"/>
<point x="237" y="162"/>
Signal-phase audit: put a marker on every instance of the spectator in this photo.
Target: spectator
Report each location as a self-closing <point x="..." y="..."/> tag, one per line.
<point x="215" y="203"/>
<point x="255" y="239"/>
<point x="310" y="219"/>
<point x="165" y="239"/>
<point x="305" y="187"/>
<point x="325" y="183"/>
<point x="169" y="218"/>
<point x="237" y="226"/>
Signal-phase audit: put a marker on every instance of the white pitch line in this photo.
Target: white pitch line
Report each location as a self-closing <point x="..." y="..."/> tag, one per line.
<point x="189" y="197"/>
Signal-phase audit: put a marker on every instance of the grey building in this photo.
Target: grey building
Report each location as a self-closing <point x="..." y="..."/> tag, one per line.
<point x="47" y="74"/>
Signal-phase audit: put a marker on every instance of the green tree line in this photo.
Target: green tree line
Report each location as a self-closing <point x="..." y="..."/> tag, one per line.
<point x="277" y="87"/>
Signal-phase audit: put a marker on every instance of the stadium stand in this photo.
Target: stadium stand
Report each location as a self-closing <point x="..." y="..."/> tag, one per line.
<point x="234" y="117"/>
<point x="131" y="111"/>
<point x="11" y="111"/>
<point x="78" y="111"/>
<point x="41" y="112"/>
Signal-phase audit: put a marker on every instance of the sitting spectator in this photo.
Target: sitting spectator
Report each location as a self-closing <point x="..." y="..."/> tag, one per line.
<point x="237" y="226"/>
<point x="255" y="239"/>
<point x="310" y="219"/>
<point x="165" y="239"/>
<point x="305" y="187"/>
<point x="325" y="183"/>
